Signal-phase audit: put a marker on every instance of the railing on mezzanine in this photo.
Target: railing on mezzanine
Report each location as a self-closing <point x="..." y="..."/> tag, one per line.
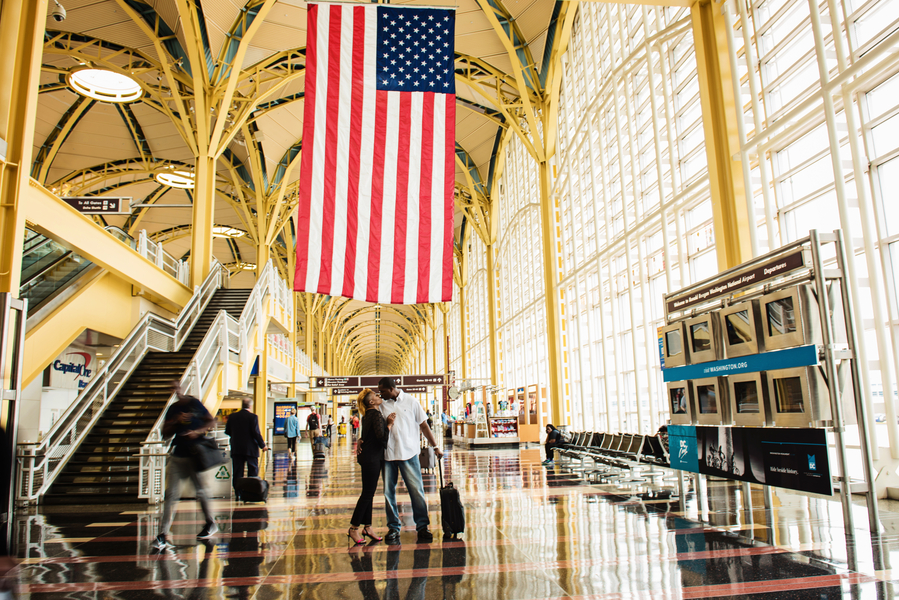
<point x="39" y="463"/>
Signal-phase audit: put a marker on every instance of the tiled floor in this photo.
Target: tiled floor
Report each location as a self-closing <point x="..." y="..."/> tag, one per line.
<point x="532" y="532"/>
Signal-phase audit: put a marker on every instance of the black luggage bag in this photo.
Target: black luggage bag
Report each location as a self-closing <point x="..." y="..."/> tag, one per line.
<point x="251" y="489"/>
<point x="319" y="448"/>
<point x="452" y="513"/>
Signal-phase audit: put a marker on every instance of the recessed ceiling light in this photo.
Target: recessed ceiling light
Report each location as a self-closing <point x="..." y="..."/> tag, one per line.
<point x="106" y="86"/>
<point x="176" y="179"/>
<point x="224" y="231"/>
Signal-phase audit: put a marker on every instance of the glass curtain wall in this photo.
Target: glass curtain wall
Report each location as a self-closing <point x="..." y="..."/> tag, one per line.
<point x="478" y="348"/>
<point x="819" y="119"/>
<point x="519" y="263"/>
<point x="634" y="204"/>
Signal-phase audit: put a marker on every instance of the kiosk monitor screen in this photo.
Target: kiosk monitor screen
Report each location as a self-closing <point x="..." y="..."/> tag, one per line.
<point x="739" y="327"/>
<point x="700" y="337"/>
<point x="678" y="398"/>
<point x="781" y="316"/>
<point x="673" y="343"/>
<point x="746" y="395"/>
<point x="788" y="395"/>
<point x="707" y="397"/>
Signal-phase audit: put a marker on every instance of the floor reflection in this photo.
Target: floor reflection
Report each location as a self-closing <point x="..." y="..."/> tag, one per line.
<point x="533" y="532"/>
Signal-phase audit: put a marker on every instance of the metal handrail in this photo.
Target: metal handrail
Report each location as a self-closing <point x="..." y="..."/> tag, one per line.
<point x="40" y="463"/>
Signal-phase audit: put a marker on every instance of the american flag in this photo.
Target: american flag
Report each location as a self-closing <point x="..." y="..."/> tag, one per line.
<point x="375" y="216"/>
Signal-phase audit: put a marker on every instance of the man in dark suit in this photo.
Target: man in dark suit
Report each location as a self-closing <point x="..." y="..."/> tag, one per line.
<point x="246" y="440"/>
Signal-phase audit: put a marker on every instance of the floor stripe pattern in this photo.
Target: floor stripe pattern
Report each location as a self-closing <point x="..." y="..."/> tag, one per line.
<point x="533" y="532"/>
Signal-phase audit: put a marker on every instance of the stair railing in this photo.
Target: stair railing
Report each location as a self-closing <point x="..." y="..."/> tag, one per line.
<point x="153" y="252"/>
<point x="226" y="335"/>
<point x="39" y="463"/>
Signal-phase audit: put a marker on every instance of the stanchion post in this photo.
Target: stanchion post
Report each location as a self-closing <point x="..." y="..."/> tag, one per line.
<point x="836" y="407"/>
<point x="863" y="426"/>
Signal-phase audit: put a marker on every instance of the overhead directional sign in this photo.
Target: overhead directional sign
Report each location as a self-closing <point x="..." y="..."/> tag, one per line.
<point x="354" y="390"/>
<point x="723" y="286"/>
<point x="99" y="205"/>
<point x="407" y="382"/>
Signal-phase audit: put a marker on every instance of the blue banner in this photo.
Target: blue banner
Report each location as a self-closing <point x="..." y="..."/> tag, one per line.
<point x="682" y="451"/>
<point x="802" y="356"/>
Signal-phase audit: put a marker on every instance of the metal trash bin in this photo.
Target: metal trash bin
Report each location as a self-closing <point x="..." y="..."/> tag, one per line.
<point x="216" y="479"/>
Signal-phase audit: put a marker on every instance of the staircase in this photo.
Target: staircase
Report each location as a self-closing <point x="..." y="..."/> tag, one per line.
<point x="104" y="468"/>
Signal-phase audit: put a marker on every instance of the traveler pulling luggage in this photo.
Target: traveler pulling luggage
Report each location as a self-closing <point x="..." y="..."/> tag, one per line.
<point x="251" y="489"/>
<point x="452" y="513"/>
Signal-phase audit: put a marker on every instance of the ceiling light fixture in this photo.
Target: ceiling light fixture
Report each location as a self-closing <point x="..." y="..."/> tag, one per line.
<point x="106" y="86"/>
<point x="224" y="231"/>
<point x="176" y="179"/>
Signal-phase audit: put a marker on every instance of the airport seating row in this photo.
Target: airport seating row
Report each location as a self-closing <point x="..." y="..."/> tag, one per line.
<point x="621" y="457"/>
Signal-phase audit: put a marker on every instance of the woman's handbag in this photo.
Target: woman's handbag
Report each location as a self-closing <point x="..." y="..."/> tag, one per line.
<point x="206" y="454"/>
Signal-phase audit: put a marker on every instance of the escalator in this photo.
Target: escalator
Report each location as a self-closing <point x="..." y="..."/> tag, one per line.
<point x="104" y="467"/>
<point x="47" y="269"/>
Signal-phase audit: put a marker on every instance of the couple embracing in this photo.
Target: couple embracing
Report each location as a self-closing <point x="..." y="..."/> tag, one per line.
<point x="391" y="426"/>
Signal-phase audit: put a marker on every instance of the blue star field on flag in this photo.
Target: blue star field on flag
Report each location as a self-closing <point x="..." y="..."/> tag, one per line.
<point x="415" y="50"/>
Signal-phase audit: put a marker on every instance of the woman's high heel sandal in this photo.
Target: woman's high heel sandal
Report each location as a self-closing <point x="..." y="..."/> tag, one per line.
<point x="366" y="532"/>
<point x="354" y="541"/>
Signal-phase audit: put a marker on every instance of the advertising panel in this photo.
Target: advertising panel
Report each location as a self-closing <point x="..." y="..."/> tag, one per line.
<point x="682" y="448"/>
<point x="282" y="411"/>
<point x="795" y="459"/>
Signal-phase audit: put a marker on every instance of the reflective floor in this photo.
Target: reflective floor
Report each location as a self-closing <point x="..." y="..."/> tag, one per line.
<point x="532" y="532"/>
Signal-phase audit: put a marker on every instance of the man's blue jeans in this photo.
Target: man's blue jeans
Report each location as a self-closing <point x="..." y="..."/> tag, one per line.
<point x="411" y="470"/>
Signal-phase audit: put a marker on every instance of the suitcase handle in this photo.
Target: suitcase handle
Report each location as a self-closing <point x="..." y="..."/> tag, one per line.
<point x="440" y="472"/>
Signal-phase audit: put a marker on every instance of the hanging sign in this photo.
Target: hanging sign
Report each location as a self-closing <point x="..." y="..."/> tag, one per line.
<point x="371" y="381"/>
<point x="788" y="358"/>
<point x="724" y="286"/>
<point x="99" y="205"/>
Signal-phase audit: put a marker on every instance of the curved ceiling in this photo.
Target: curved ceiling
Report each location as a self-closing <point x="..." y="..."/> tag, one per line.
<point x="249" y="57"/>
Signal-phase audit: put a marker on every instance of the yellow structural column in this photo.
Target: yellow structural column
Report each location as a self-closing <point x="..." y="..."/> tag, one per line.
<point x="203" y="215"/>
<point x="21" y="49"/>
<point x="260" y="390"/>
<point x="553" y="330"/>
<point x="722" y="143"/>
<point x="491" y="320"/>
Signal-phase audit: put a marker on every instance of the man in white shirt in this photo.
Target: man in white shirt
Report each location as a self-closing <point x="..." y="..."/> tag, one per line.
<point x="401" y="456"/>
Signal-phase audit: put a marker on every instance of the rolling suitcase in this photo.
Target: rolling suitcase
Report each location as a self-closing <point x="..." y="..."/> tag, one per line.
<point x="251" y="489"/>
<point x="318" y="448"/>
<point x="452" y="513"/>
<point x="426" y="458"/>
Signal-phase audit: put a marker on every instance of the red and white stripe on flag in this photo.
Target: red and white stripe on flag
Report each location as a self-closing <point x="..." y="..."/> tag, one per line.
<point x="375" y="215"/>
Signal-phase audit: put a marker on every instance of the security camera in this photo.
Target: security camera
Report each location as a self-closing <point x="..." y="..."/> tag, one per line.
<point x="58" y="13"/>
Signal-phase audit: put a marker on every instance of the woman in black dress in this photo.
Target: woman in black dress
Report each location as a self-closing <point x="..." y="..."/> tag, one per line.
<point x="375" y="431"/>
